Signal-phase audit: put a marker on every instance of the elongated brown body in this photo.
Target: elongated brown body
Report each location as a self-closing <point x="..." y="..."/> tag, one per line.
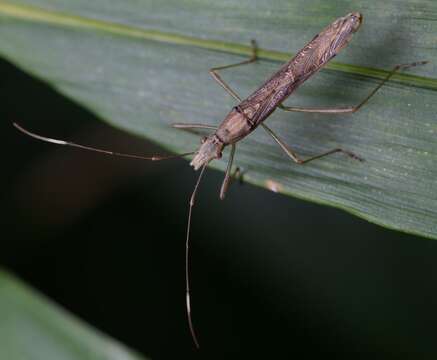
<point x="249" y="113"/>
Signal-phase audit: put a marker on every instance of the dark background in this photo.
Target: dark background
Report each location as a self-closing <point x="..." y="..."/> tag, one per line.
<point x="272" y="276"/>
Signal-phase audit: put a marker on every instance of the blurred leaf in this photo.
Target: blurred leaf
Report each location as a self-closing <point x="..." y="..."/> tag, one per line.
<point x="32" y="327"/>
<point x="143" y="65"/>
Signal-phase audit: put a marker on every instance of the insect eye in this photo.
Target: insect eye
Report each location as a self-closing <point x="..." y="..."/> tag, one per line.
<point x="203" y="139"/>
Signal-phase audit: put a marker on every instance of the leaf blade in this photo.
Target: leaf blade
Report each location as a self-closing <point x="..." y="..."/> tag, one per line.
<point x="31" y="13"/>
<point x="394" y="188"/>
<point x="34" y="328"/>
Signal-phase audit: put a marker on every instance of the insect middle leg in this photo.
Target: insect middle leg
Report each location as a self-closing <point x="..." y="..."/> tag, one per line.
<point x="352" y="109"/>
<point x="300" y="161"/>
<point x="214" y="71"/>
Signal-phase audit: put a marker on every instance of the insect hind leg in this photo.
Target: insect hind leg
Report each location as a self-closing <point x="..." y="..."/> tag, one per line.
<point x="214" y="71"/>
<point x="352" y="109"/>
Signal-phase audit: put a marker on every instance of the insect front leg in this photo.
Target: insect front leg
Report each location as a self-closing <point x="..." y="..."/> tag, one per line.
<point x="293" y="156"/>
<point x="214" y="71"/>
<point x="227" y="179"/>
<point x="228" y="176"/>
<point x="352" y="109"/>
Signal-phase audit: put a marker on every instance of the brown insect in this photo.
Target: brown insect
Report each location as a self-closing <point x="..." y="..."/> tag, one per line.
<point x="252" y="111"/>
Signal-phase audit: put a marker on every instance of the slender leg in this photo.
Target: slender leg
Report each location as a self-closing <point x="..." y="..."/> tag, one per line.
<point x="352" y="109"/>
<point x="300" y="161"/>
<point x="193" y="126"/>
<point x="339" y="110"/>
<point x="214" y="71"/>
<point x="228" y="177"/>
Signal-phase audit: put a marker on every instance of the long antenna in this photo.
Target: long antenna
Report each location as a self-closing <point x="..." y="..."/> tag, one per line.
<point x="187" y="257"/>
<point x="72" y="144"/>
<point x="152" y="158"/>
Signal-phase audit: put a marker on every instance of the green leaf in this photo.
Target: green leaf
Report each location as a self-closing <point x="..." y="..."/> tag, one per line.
<point x="32" y="327"/>
<point x="143" y="65"/>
